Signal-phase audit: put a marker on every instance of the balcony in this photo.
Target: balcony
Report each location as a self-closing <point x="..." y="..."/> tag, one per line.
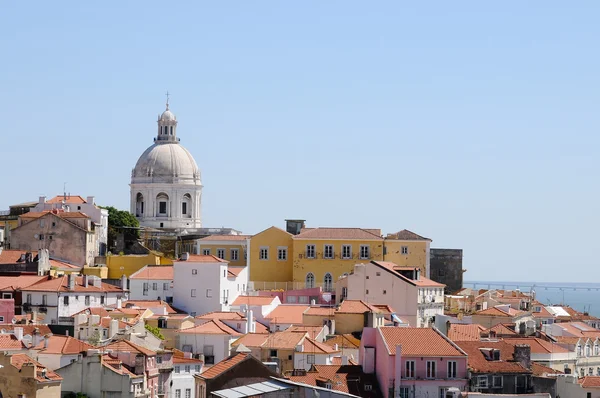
<point x="285" y="286"/>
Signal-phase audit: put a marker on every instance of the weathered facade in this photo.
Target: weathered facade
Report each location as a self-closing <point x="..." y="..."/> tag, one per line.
<point x="447" y="268"/>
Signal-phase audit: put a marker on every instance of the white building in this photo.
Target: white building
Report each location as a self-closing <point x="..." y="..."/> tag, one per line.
<point x="153" y="282"/>
<point x="61" y="297"/>
<point x="203" y="284"/>
<point x="77" y="203"/>
<point x="415" y="299"/>
<point x="210" y="341"/>
<point x="166" y="190"/>
<point x="184" y="369"/>
<point x="57" y="351"/>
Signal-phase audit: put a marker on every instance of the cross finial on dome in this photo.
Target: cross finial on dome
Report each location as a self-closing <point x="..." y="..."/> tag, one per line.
<point x="167" y="94"/>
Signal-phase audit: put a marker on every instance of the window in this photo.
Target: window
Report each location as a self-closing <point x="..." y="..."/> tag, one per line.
<point x="291" y="299"/>
<point x="303" y="300"/>
<point x="264" y="253"/>
<point x="346" y="252"/>
<point x="206" y="252"/>
<point x="158" y="359"/>
<point x="344" y="292"/>
<point x="384" y="291"/>
<point x="328" y="282"/>
<point x="377" y="273"/>
<point x="54" y="224"/>
<point x="368" y="387"/>
<point x="41" y="236"/>
<point x="310" y="358"/>
<point x="101" y="299"/>
<point x="364" y="252"/>
<point x="194" y="271"/>
<point x="328" y="251"/>
<point x="28" y="300"/>
<point x="66" y="300"/>
<point x="404" y="391"/>
<point x="587" y="350"/>
<point x="184" y="208"/>
<point x="2" y="319"/>
<point x="188" y="393"/>
<point x="234" y="254"/>
<point x="273" y="353"/>
<point x="310" y="251"/>
<point x="441" y="272"/>
<point x="482" y="381"/>
<point x="193" y="293"/>
<point x="282" y="253"/>
<point x="155" y="286"/>
<point x="404" y="249"/>
<point x="162" y="207"/>
<point x="221" y="253"/>
<point x="209" y="293"/>
<point x="177" y="370"/>
<point x="166" y="286"/>
<point x="367" y="291"/>
<point x="409" y="370"/>
<point x="44" y="299"/>
<point x="197" y="368"/>
<point x="187" y="368"/>
<point x="452" y="369"/>
<point x="578" y="350"/>
<point x="430" y="370"/>
<point x="590" y="371"/>
<point x="443" y="392"/>
<point x="6" y="295"/>
<point x="310" y="280"/>
<point x="177" y="392"/>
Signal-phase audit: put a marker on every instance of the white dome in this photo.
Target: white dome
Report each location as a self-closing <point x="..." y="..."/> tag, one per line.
<point x="165" y="162"/>
<point x="167" y="115"/>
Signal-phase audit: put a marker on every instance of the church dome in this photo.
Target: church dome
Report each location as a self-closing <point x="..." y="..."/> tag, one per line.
<point x="167" y="115"/>
<point x="163" y="162"/>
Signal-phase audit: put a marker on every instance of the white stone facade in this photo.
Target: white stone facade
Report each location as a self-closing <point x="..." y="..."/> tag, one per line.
<point x="166" y="188"/>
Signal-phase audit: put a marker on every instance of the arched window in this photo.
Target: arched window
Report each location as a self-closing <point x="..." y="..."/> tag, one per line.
<point x="139" y="205"/>
<point x="328" y="282"/>
<point x="310" y="280"/>
<point x="186" y="206"/>
<point x="162" y="199"/>
<point x="171" y="130"/>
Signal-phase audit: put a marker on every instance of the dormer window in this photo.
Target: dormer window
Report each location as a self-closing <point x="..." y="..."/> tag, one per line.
<point x="579" y="351"/>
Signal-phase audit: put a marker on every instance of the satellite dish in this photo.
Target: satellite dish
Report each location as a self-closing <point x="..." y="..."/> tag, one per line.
<point x="327" y="297"/>
<point x="36" y="236"/>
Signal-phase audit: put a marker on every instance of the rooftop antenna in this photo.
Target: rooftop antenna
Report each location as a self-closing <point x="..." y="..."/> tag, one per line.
<point x="65" y="191"/>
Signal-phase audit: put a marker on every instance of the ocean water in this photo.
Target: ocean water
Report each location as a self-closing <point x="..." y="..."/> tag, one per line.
<point x="581" y="296"/>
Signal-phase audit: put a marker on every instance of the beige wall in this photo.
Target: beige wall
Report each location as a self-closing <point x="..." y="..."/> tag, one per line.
<point x="14" y="382"/>
<point x="417" y="256"/>
<point x="271" y="269"/>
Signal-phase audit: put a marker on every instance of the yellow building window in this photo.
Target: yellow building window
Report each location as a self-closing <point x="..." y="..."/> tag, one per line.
<point x="310" y="251"/>
<point x="235" y="254"/>
<point x="346" y="252"/>
<point x="365" y="252"/>
<point x="282" y="253"/>
<point x="264" y="253"/>
<point x="328" y="251"/>
<point x="404" y="249"/>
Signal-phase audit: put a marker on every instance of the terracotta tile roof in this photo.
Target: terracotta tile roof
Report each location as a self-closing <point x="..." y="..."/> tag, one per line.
<point x="541" y="370"/>
<point x="578" y="329"/>
<point x="494" y="312"/>
<point x="226" y="237"/>
<point x="344" y="340"/>
<point x="235" y="271"/>
<point x="421" y="282"/>
<point x="71" y="199"/>
<point x="287" y="313"/>
<point x="213" y="326"/>
<point x="145" y="304"/>
<point x="15" y="282"/>
<point x="10" y="342"/>
<point x="384" y="308"/>
<point x="27" y="329"/>
<point x="224" y="365"/>
<point x="355" y="307"/>
<point x="93" y="311"/>
<point x="342" y="378"/>
<point x="590" y="382"/>
<point x="63" y="265"/>
<point x="460" y="332"/>
<point x="479" y="364"/>
<point x="202" y="258"/>
<point x="60" y="284"/>
<point x="251" y="340"/>
<point x="538" y="346"/>
<point x="154" y="272"/>
<point x="501" y="329"/>
<point x="116" y="365"/>
<point x="312" y="331"/>
<point x="313" y="346"/>
<point x="11" y="256"/>
<point x="186" y="360"/>
<point x="405" y="234"/>
<point x="320" y="311"/>
<point x="58" y="344"/>
<point x="260" y="328"/>
<point x="221" y="315"/>
<point x="128" y="346"/>
<point x="59" y="213"/>
<point x="253" y="300"/>
<point x="339" y="233"/>
<point x="283" y="340"/>
<point x="417" y="342"/>
<point x="338" y="361"/>
<point x="18" y="360"/>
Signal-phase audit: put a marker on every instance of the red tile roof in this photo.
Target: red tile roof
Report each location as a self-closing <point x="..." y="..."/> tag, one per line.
<point x="538" y="346"/>
<point x="10" y="342"/>
<point x="541" y="370"/>
<point x="494" y="311"/>
<point x="202" y="258"/>
<point x="93" y="311"/>
<point x="501" y="329"/>
<point x="287" y="314"/>
<point x="339" y="233"/>
<point x="186" y="360"/>
<point x="128" y="346"/>
<point x="253" y="300"/>
<point x="343" y="341"/>
<point x="421" y="282"/>
<point x="479" y="364"/>
<point x="18" y="360"/>
<point x="342" y="378"/>
<point x="58" y="344"/>
<point x="154" y="272"/>
<point x="61" y="265"/>
<point x="235" y="271"/>
<point x="224" y="365"/>
<point x="405" y="234"/>
<point x="11" y="256"/>
<point x="61" y="214"/>
<point x="71" y="199"/>
<point x="320" y="311"/>
<point x="116" y="365"/>
<point x="213" y="326"/>
<point x="15" y="282"/>
<point x="221" y="315"/>
<point x="315" y="347"/>
<point x="61" y="284"/>
<point x="460" y="332"/>
<point x="145" y="304"/>
<point x="417" y="342"/>
<point x="225" y="237"/>
<point x="252" y="340"/>
<point x="27" y="329"/>
<point x="355" y="307"/>
<point x="313" y="331"/>
<point x="283" y="340"/>
<point x="590" y="382"/>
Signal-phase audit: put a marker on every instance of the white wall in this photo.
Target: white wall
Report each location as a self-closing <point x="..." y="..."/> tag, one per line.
<point x="136" y="289"/>
<point x="182" y="380"/>
<point x="221" y="344"/>
<point x="55" y="361"/>
<point x="301" y="360"/>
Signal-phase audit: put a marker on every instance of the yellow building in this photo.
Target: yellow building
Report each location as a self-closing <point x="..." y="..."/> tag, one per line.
<point x="407" y="249"/>
<point x="169" y="326"/>
<point x="232" y="248"/>
<point x="22" y="376"/>
<point x="271" y="257"/>
<point x="119" y="265"/>
<point x="322" y="255"/>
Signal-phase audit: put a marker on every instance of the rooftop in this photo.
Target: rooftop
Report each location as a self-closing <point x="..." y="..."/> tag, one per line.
<point x="421" y="282"/>
<point x="224" y="366"/>
<point x="213" y="326"/>
<point x="405" y="234"/>
<point x="61" y="284"/>
<point x="418" y="342"/>
<point x="355" y="307"/>
<point x="18" y="360"/>
<point x="346" y="378"/>
<point x="154" y="272"/>
<point x="339" y="233"/>
<point x="478" y="363"/>
<point x="11" y="256"/>
<point x="253" y="300"/>
<point x="128" y="346"/>
<point x="58" y="344"/>
<point x="460" y="332"/>
<point x="201" y="258"/>
<point x="343" y="341"/>
<point x="287" y="313"/>
<point x="225" y="238"/>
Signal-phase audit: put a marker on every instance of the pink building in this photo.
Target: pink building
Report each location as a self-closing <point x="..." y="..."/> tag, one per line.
<point x="7" y="310"/>
<point x="140" y="361"/>
<point x="413" y="362"/>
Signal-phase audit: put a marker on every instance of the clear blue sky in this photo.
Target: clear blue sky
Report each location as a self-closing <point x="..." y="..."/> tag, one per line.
<point x="473" y="123"/>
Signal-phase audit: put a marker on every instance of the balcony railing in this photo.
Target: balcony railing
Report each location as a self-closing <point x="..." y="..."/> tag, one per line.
<point x="285" y="286"/>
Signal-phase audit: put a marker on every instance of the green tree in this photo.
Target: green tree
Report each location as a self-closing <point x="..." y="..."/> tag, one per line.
<point x="121" y="221"/>
<point x="155" y="331"/>
<point x="94" y="338"/>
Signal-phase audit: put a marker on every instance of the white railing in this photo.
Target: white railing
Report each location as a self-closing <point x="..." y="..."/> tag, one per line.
<point x="285" y="286"/>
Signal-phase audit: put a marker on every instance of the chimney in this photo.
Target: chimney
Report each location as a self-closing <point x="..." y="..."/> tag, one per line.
<point x="313" y="302"/>
<point x="85" y="281"/>
<point x="344" y="360"/>
<point x="119" y="302"/>
<point x="113" y="328"/>
<point x="45" y="341"/>
<point x="37" y="337"/>
<point x="94" y="319"/>
<point x="124" y="282"/>
<point x="42" y="200"/>
<point x="185" y="256"/>
<point x="90" y="200"/>
<point x="418" y="274"/>
<point x="522" y="354"/>
<point x="71" y="281"/>
<point x="335" y="347"/>
<point x="18" y="332"/>
<point x="250" y="322"/>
